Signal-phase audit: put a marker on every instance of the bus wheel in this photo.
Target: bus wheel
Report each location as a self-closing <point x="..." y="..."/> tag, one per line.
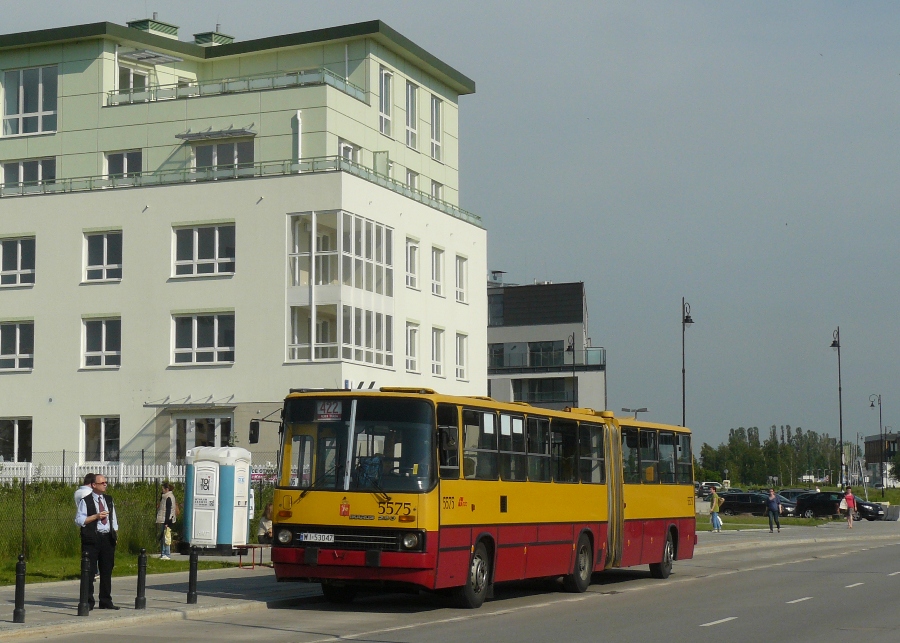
<point x="472" y="594"/>
<point x="338" y="594"/>
<point x="580" y="578"/>
<point x="663" y="569"/>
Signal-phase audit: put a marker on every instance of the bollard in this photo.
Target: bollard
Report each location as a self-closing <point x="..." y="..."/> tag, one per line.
<point x="140" y="603"/>
<point x="19" y="611"/>
<point x="192" y="579"/>
<point x="84" y="607"/>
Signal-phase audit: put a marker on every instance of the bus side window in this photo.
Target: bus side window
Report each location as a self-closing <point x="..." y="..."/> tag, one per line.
<point x="564" y="450"/>
<point x="666" y="457"/>
<point x="448" y="440"/>
<point x="685" y="466"/>
<point x="591" y="453"/>
<point x="513" y="463"/>
<point x="538" y="449"/>
<point x="301" y="471"/>
<point x="480" y="445"/>
<point x="649" y="456"/>
<point x="631" y="459"/>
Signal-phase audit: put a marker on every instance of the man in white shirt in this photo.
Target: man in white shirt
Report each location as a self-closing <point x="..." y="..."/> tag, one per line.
<point x="96" y="515"/>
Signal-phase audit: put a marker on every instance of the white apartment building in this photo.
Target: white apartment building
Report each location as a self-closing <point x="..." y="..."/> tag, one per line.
<point x="190" y="229"/>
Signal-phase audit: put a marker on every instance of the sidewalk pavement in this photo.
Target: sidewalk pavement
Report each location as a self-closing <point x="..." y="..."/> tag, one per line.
<point x="52" y="608"/>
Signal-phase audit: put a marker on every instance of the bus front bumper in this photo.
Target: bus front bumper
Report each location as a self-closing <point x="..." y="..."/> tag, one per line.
<point x="318" y="563"/>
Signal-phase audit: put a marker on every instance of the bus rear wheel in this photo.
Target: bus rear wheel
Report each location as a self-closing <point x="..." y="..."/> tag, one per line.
<point x="580" y="578"/>
<point x="664" y="568"/>
<point x="339" y="594"/>
<point x="472" y="594"/>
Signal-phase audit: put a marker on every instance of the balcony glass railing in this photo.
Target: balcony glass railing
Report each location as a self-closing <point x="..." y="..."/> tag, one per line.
<point x="271" y="168"/>
<point x="262" y="82"/>
<point x="590" y="356"/>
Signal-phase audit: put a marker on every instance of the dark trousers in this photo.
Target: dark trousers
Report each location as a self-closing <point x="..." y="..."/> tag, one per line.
<point x="103" y="557"/>
<point x="773" y="514"/>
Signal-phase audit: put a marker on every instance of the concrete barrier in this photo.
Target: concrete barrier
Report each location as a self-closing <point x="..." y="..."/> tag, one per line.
<point x="892" y="513"/>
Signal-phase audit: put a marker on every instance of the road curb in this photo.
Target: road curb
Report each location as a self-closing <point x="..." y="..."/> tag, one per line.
<point x="750" y="544"/>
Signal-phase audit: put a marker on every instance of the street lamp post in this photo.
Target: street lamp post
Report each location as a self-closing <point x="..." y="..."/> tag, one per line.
<point x="571" y="347"/>
<point x="686" y="322"/>
<point x="836" y="345"/>
<point x="872" y="399"/>
<point x="643" y="409"/>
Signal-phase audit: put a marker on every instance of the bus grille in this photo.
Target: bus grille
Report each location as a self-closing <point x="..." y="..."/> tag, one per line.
<point x="357" y="539"/>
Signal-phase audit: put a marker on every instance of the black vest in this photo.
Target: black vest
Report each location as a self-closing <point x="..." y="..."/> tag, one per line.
<point x="89" y="531"/>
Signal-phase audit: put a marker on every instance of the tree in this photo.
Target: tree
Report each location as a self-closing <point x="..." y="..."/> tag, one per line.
<point x="895" y="466"/>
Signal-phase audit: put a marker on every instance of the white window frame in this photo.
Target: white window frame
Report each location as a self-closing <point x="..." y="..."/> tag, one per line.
<point x="18" y="275"/>
<point x="437" y="351"/>
<point x="436" y="127"/>
<point x="41" y="115"/>
<point x="230" y="166"/>
<point x="412" y="179"/>
<point x="21" y="361"/>
<point x="462" y="347"/>
<point x="412" y="115"/>
<point x="108" y="270"/>
<point x="220" y="264"/>
<point x="109" y="357"/>
<point x="437" y="190"/>
<point x="462" y="278"/>
<point x="349" y="151"/>
<point x="412" y="263"/>
<point x="42" y="164"/>
<point x="437" y="271"/>
<point x="385" y="83"/>
<point x="190" y="431"/>
<point x="129" y="158"/>
<point x="132" y="72"/>
<point x="220" y="352"/>
<point x="17" y="442"/>
<point x="412" y="347"/>
<point x="103" y="422"/>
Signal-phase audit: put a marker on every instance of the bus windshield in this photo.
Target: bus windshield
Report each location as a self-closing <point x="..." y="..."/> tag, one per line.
<point x="392" y="446"/>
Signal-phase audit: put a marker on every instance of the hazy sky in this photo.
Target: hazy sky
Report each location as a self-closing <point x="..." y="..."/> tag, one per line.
<point x="742" y="155"/>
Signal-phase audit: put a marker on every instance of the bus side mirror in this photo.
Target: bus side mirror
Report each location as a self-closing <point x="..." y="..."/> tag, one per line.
<point x="449" y="441"/>
<point x="254" y="431"/>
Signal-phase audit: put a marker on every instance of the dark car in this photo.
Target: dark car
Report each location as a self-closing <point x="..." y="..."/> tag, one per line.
<point x="823" y="503"/>
<point x="743" y="503"/>
<point x="868" y="510"/>
<point x="793" y="494"/>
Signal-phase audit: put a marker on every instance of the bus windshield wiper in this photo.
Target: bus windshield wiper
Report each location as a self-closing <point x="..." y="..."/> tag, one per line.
<point x="320" y="479"/>
<point x="370" y="480"/>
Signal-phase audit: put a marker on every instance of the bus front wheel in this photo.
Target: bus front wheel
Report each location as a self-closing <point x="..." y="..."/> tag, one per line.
<point x="664" y="568"/>
<point x="472" y="594"/>
<point x="339" y="594"/>
<point x="580" y="578"/>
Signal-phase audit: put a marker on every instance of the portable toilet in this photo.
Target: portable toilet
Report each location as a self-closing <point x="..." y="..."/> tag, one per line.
<point x="217" y="497"/>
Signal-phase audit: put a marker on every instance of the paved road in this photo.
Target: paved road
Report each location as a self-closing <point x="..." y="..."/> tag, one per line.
<point x="742" y="586"/>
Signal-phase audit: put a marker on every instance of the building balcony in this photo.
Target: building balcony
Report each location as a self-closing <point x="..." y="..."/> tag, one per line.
<point x="243" y="84"/>
<point x="590" y="359"/>
<point x="241" y="171"/>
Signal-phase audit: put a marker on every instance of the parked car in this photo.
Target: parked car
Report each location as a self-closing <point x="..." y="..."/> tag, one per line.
<point x="824" y="503"/>
<point x="743" y="503"/>
<point x="868" y="510"/>
<point x="793" y="494"/>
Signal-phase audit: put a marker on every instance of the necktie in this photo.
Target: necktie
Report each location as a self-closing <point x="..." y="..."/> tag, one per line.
<point x="102" y="508"/>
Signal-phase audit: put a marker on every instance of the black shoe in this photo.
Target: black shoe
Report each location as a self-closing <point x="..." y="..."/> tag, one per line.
<point x="109" y="607"/>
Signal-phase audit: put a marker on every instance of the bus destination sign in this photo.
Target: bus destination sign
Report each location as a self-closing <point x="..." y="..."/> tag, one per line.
<point x="328" y="410"/>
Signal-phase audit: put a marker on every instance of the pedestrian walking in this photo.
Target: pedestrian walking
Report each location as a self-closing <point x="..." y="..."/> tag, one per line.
<point x="850" y="501"/>
<point x="773" y="510"/>
<point x="715" y="503"/>
<point x="166" y="515"/>
<point x="96" y="515"/>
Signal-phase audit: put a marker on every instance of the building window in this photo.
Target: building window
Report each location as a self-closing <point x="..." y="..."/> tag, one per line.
<point x="412" y="115"/>
<point x="437" y="190"/>
<point x="462" y="342"/>
<point x="436" y="128"/>
<point x="495" y="310"/>
<point x="543" y="390"/>
<point x="412" y="263"/>
<point x="326" y="332"/>
<point x="29" y="103"/>
<point x="102" y="342"/>
<point x="546" y="353"/>
<point x="132" y="80"/>
<point x="412" y="179"/>
<point x="224" y="156"/>
<point x="101" y="439"/>
<point x="437" y="272"/>
<point x="17" y="261"/>
<point x="348" y="150"/>
<point x="124" y="164"/>
<point x="17" y="346"/>
<point x="29" y="173"/>
<point x="462" y="269"/>
<point x="384" y="102"/>
<point x="367" y="336"/>
<point x="437" y="352"/>
<point x="495" y="356"/>
<point x="15" y="439"/>
<point x="104" y="256"/>
<point x="204" y="339"/>
<point x="205" y="251"/>
<point x="412" y="347"/>
<point x="201" y="432"/>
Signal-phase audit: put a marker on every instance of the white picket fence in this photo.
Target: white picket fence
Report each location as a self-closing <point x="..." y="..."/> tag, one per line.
<point x="116" y="473"/>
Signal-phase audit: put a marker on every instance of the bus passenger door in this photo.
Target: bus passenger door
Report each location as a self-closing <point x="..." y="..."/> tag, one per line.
<point x="633" y="529"/>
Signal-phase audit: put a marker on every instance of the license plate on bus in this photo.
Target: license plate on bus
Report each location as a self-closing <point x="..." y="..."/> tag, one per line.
<point x="317" y="538"/>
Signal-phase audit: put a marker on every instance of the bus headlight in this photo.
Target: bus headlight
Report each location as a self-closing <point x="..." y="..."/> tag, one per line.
<point x="285" y="536"/>
<point x="410" y="541"/>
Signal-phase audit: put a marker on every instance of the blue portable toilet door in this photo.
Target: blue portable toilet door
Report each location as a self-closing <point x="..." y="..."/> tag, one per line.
<point x="205" y="509"/>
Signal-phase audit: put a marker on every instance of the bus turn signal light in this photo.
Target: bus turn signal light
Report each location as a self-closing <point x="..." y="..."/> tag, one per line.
<point x="285" y="514"/>
<point x="406" y="518"/>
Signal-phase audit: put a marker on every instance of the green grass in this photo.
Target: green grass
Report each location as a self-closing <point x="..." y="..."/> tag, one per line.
<point x="47" y="570"/>
<point x="730" y="523"/>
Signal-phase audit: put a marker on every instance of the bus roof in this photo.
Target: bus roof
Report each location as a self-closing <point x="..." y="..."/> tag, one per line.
<point x="480" y="401"/>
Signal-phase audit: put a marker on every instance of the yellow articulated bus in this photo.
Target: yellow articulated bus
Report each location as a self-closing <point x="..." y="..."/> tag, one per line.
<point x="406" y="488"/>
